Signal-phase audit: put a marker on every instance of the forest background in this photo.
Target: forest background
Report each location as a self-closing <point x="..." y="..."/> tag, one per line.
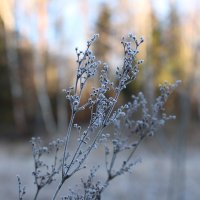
<point x="37" y="60"/>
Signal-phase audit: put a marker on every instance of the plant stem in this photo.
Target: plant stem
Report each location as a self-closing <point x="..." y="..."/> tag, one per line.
<point x="36" y="194"/>
<point x="111" y="164"/>
<point x="66" y="143"/>
<point x="58" y="189"/>
<point x="64" y="155"/>
<point x="133" y="151"/>
<point x="77" y="150"/>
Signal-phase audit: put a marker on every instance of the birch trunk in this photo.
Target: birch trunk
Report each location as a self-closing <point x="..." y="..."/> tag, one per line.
<point x="39" y="70"/>
<point x="41" y="92"/>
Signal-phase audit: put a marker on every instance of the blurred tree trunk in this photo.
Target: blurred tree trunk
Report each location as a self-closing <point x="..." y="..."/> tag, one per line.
<point x="177" y="179"/>
<point x="62" y="77"/>
<point x="176" y="61"/>
<point x="103" y="28"/>
<point x="195" y="50"/>
<point x="41" y="92"/>
<point x="62" y="115"/>
<point x="138" y="22"/>
<point x="153" y="52"/>
<point x="101" y="47"/>
<point x="40" y="81"/>
<point x="198" y="78"/>
<point x="7" y="10"/>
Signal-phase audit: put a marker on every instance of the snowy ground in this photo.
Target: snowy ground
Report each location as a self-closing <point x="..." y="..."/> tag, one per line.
<point x="152" y="179"/>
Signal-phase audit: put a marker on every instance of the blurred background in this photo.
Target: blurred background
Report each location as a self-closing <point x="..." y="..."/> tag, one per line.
<point x="37" y="60"/>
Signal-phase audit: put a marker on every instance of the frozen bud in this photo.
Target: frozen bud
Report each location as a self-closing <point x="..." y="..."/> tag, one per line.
<point x="45" y="149"/>
<point x="75" y="103"/>
<point x="178" y="81"/>
<point x="132" y="36"/>
<point x="88" y="43"/>
<point x="140" y="62"/>
<point x="162" y="122"/>
<point x="122" y="114"/>
<point x="105" y="67"/>
<point x="151" y="133"/>
<point x="96" y="35"/>
<point x="126" y="106"/>
<point x="142" y="39"/>
<point x="101" y="96"/>
<point x="173" y="117"/>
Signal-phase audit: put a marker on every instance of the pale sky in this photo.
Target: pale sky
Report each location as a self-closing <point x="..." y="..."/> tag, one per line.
<point x="74" y="28"/>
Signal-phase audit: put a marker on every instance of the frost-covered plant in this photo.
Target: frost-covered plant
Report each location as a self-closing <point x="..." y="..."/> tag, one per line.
<point x="130" y="123"/>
